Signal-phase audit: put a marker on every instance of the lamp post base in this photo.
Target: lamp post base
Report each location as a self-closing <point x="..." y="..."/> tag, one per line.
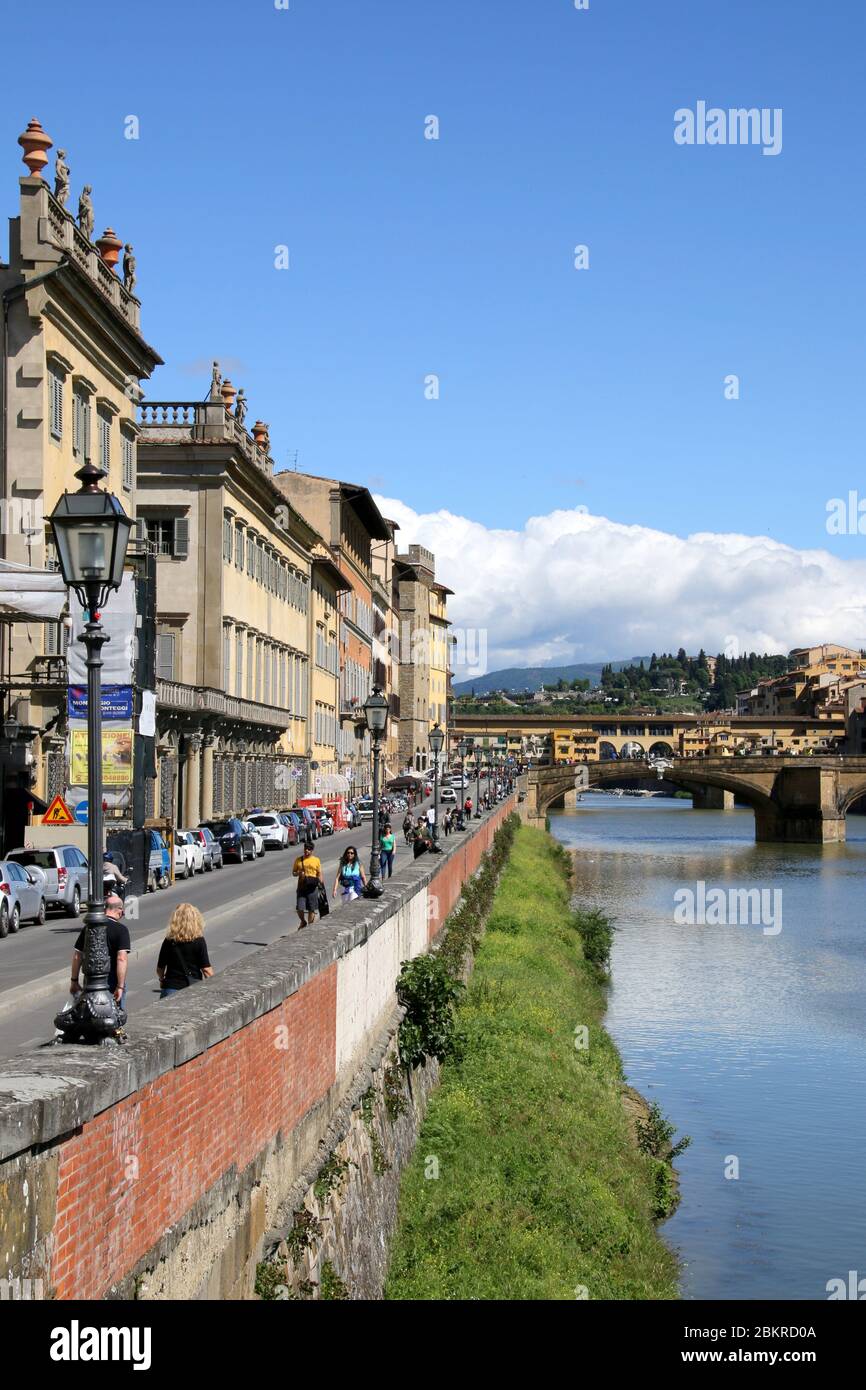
<point x="95" y="1016"/>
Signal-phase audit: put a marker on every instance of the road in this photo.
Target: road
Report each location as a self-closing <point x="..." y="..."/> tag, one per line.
<point x="245" y="906"/>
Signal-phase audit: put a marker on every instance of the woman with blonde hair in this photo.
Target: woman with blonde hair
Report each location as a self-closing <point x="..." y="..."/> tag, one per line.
<point x="183" y="958"/>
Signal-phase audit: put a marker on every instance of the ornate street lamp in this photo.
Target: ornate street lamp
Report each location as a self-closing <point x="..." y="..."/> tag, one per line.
<point x="462" y="750"/>
<point x="91" y="533"/>
<point x="376" y="715"/>
<point x="437" y="738"/>
<point x="478" y="782"/>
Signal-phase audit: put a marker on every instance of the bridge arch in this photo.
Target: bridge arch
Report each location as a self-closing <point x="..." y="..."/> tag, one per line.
<point x="606" y="752"/>
<point x="660" y="749"/>
<point x="632" y="751"/>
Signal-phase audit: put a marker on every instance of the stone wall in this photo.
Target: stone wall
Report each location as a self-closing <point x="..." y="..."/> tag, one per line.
<point x="158" y="1169"/>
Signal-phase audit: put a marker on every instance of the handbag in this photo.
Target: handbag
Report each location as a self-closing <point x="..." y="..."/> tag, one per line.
<point x="324" y="905"/>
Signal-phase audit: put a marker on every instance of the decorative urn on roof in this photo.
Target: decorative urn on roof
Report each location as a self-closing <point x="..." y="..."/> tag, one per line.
<point x="260" y="434"/>
<point x="35" y="144"/>
<point x="109" y="247"/>
<point x="228" y="393"/>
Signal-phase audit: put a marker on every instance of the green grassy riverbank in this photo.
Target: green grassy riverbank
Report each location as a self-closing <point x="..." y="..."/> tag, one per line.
<point x="526" y="1182"/>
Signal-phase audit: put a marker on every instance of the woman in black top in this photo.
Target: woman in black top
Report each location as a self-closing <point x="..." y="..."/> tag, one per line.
<point x="183" y="957"/>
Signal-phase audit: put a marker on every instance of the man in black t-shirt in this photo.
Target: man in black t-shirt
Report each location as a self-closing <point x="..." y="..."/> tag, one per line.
<point x="119" y="946"/>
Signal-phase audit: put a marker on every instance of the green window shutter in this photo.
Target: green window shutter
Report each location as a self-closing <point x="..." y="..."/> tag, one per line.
<point x="181" y="537"/>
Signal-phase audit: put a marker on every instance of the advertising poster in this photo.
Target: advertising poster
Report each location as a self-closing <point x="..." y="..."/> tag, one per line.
<point x="116" y="757"/>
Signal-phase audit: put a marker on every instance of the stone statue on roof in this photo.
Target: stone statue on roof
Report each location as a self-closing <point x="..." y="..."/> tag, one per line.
<point x="61" y="178"/>
<point x="85" y="212"/>
<point x="129" y="276"/>
<point x="215" y="383"/>
<point x="241" y="407"/>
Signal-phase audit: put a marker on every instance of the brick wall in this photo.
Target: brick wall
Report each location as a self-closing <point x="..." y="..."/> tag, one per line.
<point x="161" y="1146"/>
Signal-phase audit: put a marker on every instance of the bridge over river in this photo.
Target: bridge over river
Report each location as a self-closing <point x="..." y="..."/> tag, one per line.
<point x="796" y="800"/>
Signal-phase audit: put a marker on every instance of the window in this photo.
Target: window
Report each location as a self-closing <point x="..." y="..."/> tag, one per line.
<point x="228" y="540"/>
<point x="227" y="655"/>
<point x="239" y="547"/>
<point x="55" y="387"/>
<point x="165" y="643"/>
<point x="239" y="664"/>
<point x="169" y="535"/>
<point x="104" y="422"/>
<point x="80" y="424"/>
<point x="127" y="445"/>
<point x="251" y="555"/>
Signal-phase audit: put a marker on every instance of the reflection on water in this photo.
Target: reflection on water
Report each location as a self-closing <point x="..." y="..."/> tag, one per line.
<point x="753" y="1043"/>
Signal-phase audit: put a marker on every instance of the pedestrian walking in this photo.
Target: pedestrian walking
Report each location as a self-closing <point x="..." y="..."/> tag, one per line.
<point x="431" y="816"/>
<point x="307" y="869"/>
<point x="408" y="825"/>
<point x="387" y="847"/>
<point x="446" y="824"/>
<point x="350" y="878"/>
<point x="119" y="946"/>
<point x="183" y="958"/>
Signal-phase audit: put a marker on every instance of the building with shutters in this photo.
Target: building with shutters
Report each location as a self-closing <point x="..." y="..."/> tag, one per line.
<point x="346" y="516"/>
<point x="247" y="597"/>
<point x="421" y="610"/>
<point x="73" y="356"/>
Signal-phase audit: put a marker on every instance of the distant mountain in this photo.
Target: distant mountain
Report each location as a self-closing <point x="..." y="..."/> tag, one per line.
<point x="533" y="677"/>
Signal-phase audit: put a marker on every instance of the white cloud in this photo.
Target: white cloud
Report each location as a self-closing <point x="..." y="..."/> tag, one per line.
<point x="575" y="587"/>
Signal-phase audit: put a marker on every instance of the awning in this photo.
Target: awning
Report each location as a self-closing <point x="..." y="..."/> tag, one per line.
<point x="331" y="782"/>
<point x="27" y="593"/>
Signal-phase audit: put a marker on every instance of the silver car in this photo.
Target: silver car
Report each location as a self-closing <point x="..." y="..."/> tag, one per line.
<point x="65" y="870"/>
<point x="21" y="896"/>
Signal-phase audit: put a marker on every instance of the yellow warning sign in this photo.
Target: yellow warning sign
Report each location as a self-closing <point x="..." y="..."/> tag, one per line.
<point x="58" y="813"/>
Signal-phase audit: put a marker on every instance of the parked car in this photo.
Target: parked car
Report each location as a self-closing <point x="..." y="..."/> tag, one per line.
<point x="292" y="824"/>
<point x="235" y="842"/>
<point x="188" y="855"/>
<point x="22" y="896"/>
<point x="212" y="854"/>
<point x="271" y="829"/>
<point x="65" y="870"/>
<point x="258" y="838"/>
<point x="365" y="807"/>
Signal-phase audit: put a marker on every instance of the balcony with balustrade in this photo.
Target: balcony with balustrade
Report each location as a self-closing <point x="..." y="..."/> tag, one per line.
<point x="210" y="421"/>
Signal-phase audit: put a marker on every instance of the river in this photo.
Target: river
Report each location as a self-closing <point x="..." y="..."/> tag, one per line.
<point x="752" y="1038"/>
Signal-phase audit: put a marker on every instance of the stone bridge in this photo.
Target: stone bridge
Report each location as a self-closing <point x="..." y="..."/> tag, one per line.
<point x="798" y="800"/>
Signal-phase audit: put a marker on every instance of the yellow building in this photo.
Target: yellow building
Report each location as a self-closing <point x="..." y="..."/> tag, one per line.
<point x="73" y="359"/>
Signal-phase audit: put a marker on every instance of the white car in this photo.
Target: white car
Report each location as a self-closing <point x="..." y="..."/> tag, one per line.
<point x="258" y="838"/>
<point x="274" y="834"/>
<point x="188" y="855"/>
<point x="448" y="795"/>
<point x="365" y="807"/>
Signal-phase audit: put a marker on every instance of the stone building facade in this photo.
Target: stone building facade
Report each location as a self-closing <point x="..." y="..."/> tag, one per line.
<point x="236" y="613"/>
<point x="73" y="359"/>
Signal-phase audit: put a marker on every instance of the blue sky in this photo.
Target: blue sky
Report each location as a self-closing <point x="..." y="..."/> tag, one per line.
<point x="559" y="388"/>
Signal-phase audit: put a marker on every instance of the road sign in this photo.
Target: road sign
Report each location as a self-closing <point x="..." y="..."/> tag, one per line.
<point x="58" y="813"/>
<point x="81" y="813"/>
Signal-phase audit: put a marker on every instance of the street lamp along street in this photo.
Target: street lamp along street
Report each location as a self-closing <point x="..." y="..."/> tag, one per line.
<point x="91" y="533"/>
<point x="376" y="716"/>
<point x="436" y="739"/>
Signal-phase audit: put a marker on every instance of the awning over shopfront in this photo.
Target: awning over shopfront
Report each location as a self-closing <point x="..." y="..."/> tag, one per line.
<point x="25" y="593"/>
<point x="332" y="782"/>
